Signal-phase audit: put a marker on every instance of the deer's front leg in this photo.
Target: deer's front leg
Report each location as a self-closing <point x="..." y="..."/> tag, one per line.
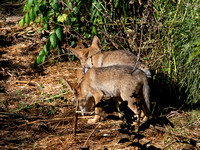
<point x="98" y="97"/>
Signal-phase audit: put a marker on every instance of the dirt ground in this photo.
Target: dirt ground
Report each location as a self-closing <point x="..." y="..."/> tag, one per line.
<point x="37" y="108"/>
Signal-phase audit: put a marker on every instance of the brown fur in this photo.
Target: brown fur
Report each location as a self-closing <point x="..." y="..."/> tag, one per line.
<point x="80" y="75"/>
<point x="120" y="82"/>
<point x="94" y="57"/>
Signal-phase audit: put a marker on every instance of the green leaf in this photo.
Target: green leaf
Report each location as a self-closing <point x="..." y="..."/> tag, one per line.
<point x="73" y="43"/>
<point x="116" y="3"/>
<point x="73" y="19"/>
<point x="43" y="58"/>
<point x="40" y="30"/>
<point x="154" y="77"/>
<point x="59" y="33"/>
<point x="21" y="22"/>
<point x="53" y="40"/>
<point x="24" y="9"/>
<point x="45" y="19"/>
<point x="73" y="57"/>
<point x="68" y="21"/>
<point x="46" y="26"/>
<point x="60" y="80"/>
<point x="42" y="53"/>
<point x="106" y="48"/>
<point x="62" y="18"/>
<point x="51" y="112"/>
<point x="56" y="6"/>
<point x="95" y="20"/>
<point x="76" y="10"/>
<point x="93" y="4"/>
<point x="38" y="60"/>
<point x="104" y="42"/>
<point x="70" y="4"/>
<point x="32" y="15"/>
<point x="29" y="3"/>
<point x="27" y="19"/>
<point x="93" y="14"/>
<point x="94" y="30"/>
<point x="46" y="49"/>
<point x="86" y="35"/>
<point x="98" y="14"/>
<point x="35" y="2"/>
<point x="36" y="9"/>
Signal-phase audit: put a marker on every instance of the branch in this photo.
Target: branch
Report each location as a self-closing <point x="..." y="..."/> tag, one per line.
<point x="90" y="135"/>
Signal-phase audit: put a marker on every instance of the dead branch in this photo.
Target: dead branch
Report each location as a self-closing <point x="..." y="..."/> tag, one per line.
<point x="14" y="116"/>
<point x="75" y="118"/>
<point x="90" y="135"/>
<point x="30" y="83"/>
<point x="45" y="120"/>
<point x="8" y="73"/>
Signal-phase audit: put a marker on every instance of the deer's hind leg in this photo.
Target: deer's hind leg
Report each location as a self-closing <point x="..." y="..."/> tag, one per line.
<point x="131" y="102"/>
<point x="145" y="114"/>
<point x="98" y="97"/>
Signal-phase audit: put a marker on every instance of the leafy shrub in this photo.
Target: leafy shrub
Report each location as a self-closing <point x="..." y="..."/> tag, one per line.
<point x="186" y="42"/>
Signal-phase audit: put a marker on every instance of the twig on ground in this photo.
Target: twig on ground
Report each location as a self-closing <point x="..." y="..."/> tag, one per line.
<point x="8" y="73"/>
<point x="31" y="83"/>
<point x="45" y="120"/>
<point x="75" y="118"/>
<point x="90" y="135"/>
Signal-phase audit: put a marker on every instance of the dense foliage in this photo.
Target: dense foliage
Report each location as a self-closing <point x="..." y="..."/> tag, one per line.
<point x="165" y="34"/>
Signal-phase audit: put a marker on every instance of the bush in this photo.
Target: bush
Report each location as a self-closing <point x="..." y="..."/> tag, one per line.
<point x="186" y="41"/>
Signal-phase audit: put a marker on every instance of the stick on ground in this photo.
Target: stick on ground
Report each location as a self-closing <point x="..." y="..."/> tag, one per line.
<point x="75" y="118"/>
<point x="90" y="135"/>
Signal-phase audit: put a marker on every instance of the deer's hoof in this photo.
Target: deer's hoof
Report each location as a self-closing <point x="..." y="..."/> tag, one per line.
<point x="92" y="121"/>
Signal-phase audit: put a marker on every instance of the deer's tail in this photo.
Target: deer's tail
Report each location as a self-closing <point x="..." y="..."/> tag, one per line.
<point x="146" y="94"/>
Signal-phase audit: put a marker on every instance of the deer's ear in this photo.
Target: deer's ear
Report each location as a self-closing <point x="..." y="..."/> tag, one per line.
<point x="72" y="87"/>
<point x="95" y="42"/>
<point x="80" y="53"/>
<point x="77" y="52"/>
